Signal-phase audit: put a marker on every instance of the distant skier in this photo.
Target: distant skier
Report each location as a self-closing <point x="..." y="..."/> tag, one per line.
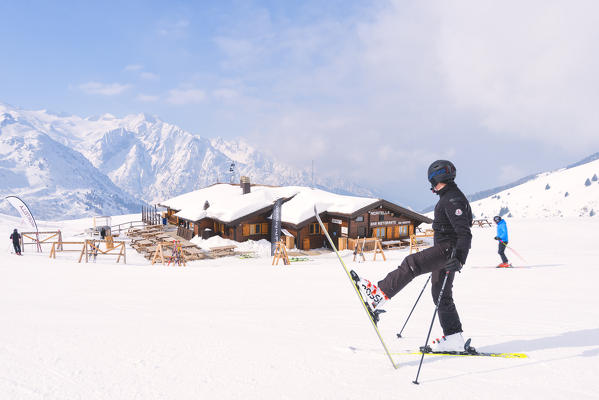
<point x="503" y="239"/>
<point x="103" y="233"/>
<point x="452" y="239"/>
<point x="16" y="241"/>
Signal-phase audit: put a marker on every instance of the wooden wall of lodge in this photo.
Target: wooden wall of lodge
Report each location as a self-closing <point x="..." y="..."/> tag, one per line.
<point x="371" y="220"/>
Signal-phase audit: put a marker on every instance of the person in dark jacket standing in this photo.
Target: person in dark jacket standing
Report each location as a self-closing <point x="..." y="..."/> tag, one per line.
<point x="503" y="239"/>
<point x="452" y="239"/>
<point x="16" y="241"/>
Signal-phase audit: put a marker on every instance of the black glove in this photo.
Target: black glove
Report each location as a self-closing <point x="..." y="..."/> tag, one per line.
<point x="496" y="237"/>
<point x="453" y="264"/>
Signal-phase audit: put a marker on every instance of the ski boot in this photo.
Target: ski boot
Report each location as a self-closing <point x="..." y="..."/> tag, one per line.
<point x="452" y="344"/>
<point x="372" y="296"/>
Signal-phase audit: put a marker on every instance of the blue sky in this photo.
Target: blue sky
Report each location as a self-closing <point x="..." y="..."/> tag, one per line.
<point x="373" y="91"/>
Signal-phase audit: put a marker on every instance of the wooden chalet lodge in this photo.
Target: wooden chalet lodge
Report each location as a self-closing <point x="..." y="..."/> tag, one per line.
<point x="242" y="212"/>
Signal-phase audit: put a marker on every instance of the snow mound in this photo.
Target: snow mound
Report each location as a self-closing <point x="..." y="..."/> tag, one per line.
<point x="260" y="248"/>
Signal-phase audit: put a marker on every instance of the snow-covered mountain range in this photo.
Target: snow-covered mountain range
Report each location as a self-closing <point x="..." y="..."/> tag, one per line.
<point x="572" y="191"/>
<point x="69" y="166"/>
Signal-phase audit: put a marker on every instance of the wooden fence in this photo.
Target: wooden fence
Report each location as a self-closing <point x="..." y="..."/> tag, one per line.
<point x="39" y="238"/>
<point x="91" y="249"/>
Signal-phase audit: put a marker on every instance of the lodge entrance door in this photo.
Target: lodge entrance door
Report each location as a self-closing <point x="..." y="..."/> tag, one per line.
<point x="334" y="233"/>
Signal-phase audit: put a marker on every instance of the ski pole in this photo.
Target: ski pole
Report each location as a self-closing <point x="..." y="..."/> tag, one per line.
<point x="405" y="323"/>
<point x="415" y="381"/>
<point x="513" y="251"/>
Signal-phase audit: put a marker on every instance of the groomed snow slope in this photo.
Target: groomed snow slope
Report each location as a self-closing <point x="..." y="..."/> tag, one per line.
<point x="232" y="328"/>
<point x="568" y="192"/>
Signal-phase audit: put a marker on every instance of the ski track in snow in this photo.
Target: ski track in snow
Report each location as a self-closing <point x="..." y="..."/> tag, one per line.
<point x="240" y="328"/>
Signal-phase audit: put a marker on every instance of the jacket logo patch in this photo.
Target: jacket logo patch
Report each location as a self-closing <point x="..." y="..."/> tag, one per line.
<point x="458" y="212"/>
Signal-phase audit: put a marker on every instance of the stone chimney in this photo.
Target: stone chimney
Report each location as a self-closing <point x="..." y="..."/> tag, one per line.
<point x="245" y="184"/>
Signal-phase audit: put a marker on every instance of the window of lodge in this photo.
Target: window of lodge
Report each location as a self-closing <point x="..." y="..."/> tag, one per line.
<point x="220" y="228"/>
<point x="314" y="229"/>
<point x="255" y="229"/>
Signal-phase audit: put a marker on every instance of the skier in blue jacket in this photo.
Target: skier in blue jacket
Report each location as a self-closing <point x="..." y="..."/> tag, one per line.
<point x="503" y="240"/>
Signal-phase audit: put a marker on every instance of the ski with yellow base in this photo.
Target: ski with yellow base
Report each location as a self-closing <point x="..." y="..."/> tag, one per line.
<point x="464" y="354"/>
<point x="469" y="351"/>
<point x="372" y="316"/>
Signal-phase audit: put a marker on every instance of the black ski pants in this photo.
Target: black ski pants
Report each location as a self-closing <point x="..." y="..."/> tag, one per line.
<point x="501" y="251"/>
<point x="17" y="247"/>
<point x="425" y="261"/>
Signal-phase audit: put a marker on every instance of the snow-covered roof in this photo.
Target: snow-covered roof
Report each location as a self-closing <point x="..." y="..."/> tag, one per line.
<point x="301" y="207"/>
<point x="227" y="203"/>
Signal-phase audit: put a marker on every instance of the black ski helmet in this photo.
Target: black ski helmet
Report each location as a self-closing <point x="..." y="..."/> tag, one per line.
<point x="496" y="218"/>
<point x="441" y="171"/>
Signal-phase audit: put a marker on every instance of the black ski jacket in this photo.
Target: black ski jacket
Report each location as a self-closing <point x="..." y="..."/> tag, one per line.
<point x="453" y="219"/>
<point x="15" y="237"/>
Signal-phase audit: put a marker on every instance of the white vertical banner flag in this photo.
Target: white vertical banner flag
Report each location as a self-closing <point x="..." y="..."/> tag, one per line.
<point x="23" y="210"/>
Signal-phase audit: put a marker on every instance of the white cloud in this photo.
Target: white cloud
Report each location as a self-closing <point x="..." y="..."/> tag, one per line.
<point x="238" y="51"/>
<point x="147" y="98"/>
<point x="173" y="28"/>
<point x="149" y="76"/>
<point x="225" y="94"/>
<point x="510" y="173"/>
<point x="426" y="78"/>
<point x="527" y="68"/>
<point x="185" y="96"/>
<point x="133" y="67"/>
<point x="106" y="89"/>
<point x="401" y="83"/>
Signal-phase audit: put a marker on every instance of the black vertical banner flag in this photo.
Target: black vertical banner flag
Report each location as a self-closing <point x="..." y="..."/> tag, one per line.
<point x="275" y="231"/>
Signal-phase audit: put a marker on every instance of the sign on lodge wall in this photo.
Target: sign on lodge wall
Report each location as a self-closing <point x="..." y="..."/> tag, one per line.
<point x="382" y="222"/>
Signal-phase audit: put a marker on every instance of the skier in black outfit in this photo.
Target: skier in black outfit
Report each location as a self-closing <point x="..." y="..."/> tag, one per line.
<point x="16" y="241"/>
<point x="452" y="238"/>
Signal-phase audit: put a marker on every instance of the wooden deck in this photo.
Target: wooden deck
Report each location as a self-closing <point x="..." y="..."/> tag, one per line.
<point x="146" y="240"/>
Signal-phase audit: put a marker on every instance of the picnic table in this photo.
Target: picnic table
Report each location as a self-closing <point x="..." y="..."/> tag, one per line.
<point x="193" y="253"/>
<point x="222" y="251"/>
<point x="395" y="243"/>
<point x="151" y="234"/>
<point x="481" y="222"/>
